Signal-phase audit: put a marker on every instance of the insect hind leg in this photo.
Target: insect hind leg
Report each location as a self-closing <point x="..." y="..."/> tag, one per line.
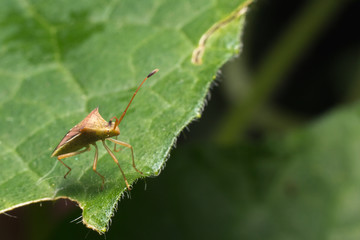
<point x="66" y="155"/>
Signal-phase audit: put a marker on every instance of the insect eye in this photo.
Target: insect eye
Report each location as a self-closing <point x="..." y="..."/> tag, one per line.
<point x="110" y="122"/>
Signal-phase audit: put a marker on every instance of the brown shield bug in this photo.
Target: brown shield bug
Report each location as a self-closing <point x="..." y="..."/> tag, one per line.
<point x="95" y="128"/>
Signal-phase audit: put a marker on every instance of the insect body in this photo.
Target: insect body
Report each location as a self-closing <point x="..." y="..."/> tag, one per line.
<point x="92" y="129"/>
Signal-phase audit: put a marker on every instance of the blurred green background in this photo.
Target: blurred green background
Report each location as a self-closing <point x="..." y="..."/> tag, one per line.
<point x="266" y="161"/>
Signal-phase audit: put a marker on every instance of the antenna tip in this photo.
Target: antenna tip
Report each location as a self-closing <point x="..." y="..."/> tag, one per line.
<point x="153" y="72"/>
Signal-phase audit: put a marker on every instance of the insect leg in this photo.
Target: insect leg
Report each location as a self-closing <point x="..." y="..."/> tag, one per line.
<point x="94" y="166"/>
<point x="117" y="162"/>
<point x="116" y="120"/>
<point x="66" y="155"/>
<point x="116" y="150"/>
<point x="128" y="146"/>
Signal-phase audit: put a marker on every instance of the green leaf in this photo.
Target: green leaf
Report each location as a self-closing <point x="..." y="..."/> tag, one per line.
<point x="59" y="60"/>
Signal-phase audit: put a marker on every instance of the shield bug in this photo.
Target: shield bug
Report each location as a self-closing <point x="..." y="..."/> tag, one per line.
<point x="95" y="128"/>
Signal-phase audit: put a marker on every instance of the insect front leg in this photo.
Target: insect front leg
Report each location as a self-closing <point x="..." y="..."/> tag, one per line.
<point x="117" y="162"/>
<point x="116" y="150"/>
<point x="116" y="121"/>
<point x="128" y="146"/>
<point x="66" y="155"/>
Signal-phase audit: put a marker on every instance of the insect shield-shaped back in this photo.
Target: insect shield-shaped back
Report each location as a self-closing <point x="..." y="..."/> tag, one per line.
<point x="93" y="128"/>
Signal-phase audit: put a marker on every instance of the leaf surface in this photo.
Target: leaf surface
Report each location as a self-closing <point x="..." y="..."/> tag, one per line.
<point x="59" y="60"/>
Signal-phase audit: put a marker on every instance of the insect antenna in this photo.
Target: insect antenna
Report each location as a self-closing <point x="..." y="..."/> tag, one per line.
<point x="118" y="120"/>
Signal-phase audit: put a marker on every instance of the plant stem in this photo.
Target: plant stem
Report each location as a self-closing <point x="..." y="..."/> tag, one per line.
<point x="286" y="52"/>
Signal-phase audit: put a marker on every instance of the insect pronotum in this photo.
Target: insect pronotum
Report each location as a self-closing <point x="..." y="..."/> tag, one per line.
<point x="92" y="129"/>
